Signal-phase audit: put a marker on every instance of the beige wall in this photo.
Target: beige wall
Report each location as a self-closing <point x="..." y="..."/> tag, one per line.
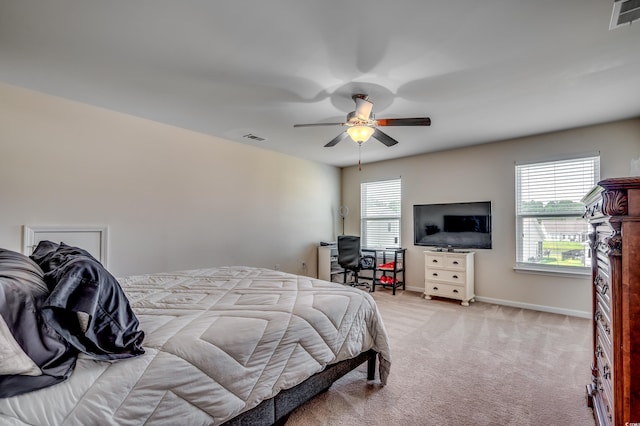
<point x="173" y="199"/>
<point x="486" y="172"/>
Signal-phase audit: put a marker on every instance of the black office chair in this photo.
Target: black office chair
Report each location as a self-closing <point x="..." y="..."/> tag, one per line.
<point x="350" y="258"/>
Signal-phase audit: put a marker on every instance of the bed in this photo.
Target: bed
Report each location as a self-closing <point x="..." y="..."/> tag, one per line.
<point x="223" y="345"/>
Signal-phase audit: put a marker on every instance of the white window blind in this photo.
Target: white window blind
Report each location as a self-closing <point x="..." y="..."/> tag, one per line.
<point x="380" y="213"/>
<point x="551" y="233"/>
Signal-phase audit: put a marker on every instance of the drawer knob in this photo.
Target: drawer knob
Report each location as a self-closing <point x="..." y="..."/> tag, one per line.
<point x="435" y="288"/>
<point x="606" y="372"/>
<point x="455" y="262"/>
<point x="435" y="260"/>
<point x="435" y="274"/>
<point x="455" y="276"/>
<point x="455" y="291"/>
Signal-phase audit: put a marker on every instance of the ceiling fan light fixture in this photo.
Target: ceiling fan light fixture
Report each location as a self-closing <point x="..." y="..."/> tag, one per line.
<point x="360" y="134"/>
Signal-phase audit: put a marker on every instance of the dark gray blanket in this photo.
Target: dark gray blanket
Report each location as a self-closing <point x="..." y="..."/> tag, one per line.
<point x="22" y="294"/>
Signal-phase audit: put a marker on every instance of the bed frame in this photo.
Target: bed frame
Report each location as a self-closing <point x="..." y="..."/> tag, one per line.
<point x="276" y="410"/>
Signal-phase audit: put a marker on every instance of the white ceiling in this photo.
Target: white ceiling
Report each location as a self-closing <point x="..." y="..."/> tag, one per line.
<point x="482" y="70"/>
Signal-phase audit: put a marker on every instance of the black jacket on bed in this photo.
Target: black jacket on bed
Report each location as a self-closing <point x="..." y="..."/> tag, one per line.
<point x="87" y="305"/>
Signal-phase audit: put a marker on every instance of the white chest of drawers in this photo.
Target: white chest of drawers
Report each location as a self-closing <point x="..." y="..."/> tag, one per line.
<point x="449" y="274"/>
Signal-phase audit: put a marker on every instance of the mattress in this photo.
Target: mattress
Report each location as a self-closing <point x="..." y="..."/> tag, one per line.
<point x="218" y="341"/>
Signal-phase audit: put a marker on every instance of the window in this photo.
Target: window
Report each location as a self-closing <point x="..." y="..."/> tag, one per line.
<point x="551" y="234"/>
<point x="380" y="213"/>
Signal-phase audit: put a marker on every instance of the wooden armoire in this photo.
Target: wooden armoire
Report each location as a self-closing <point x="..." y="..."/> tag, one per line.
<point x="613" y="209"/>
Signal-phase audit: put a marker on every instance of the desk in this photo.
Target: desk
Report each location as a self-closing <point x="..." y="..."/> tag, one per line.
<point x="390" y="264"/>
<point x="328" y="266"/>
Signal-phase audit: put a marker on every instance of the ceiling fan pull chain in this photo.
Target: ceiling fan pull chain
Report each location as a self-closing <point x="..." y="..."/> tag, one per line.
<point x="359" y="163"/>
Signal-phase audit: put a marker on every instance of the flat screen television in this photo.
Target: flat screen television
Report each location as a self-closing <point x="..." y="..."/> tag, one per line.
<point x="453" y="225"/>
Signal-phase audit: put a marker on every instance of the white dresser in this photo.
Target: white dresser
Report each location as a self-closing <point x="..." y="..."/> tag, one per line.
<point x="449" y="274"/>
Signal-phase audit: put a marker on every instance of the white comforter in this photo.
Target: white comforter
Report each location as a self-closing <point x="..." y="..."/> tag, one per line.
<point x="218" y="342"/>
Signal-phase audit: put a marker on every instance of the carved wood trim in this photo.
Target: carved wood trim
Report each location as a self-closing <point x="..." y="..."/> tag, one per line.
<point x="614" y="241"/>
<point x="615" y="203"/>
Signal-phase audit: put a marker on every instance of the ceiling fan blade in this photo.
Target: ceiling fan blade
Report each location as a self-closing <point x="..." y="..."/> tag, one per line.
<point x="420" y="121"/>
<point x="384" y="138"/>
<point x="363" y="108"/>
<point x="337" y="139"/>
<point x="318" y="124"/>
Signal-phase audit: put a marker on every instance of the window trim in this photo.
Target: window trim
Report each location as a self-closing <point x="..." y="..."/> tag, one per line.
<point x="580" y="272"/>
<point x="546" y="269"/>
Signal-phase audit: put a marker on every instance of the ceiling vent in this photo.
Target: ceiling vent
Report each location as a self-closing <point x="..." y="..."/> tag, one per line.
<point x="624" y="13"/>
<point x="254" y="137"/>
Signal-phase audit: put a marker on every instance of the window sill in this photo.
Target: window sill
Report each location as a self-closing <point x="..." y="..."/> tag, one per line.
<point x="541" y="270"/>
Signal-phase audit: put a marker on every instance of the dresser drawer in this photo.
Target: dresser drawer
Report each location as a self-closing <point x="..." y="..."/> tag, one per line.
<point x="447" y="276"/>
<point x="603" y="288"/>
<point x="434" y="261"/>
<point x="605" y="385"/>
<point x="458" y="263"/>
<point x="603" y="324"/>
<point x="607" y="402"/>
<point x="603" y="358"/>
<point x="602" y="306"/>
<point x="454" y="262"/>
<point x="602" y="259"/>
<point x="604" y="349"/>
<point x="445" y="290"/>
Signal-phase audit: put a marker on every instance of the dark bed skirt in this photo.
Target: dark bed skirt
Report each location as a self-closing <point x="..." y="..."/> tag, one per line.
<point x="276" y="410"/>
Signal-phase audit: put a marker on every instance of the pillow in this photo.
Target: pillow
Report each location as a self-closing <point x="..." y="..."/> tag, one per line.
<point x="87" y="306"/>
<point x="32" y="355"/>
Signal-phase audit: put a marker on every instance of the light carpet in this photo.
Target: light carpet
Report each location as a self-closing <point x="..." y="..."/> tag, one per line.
<point x="453" y="365"/>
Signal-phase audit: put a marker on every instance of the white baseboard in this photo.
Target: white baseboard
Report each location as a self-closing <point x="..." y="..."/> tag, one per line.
<point x="513" y="304"/>
<point x="543" y="308"/>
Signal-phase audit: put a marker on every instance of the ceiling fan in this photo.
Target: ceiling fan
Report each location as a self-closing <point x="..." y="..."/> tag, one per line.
<point x="361" y="124"/>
